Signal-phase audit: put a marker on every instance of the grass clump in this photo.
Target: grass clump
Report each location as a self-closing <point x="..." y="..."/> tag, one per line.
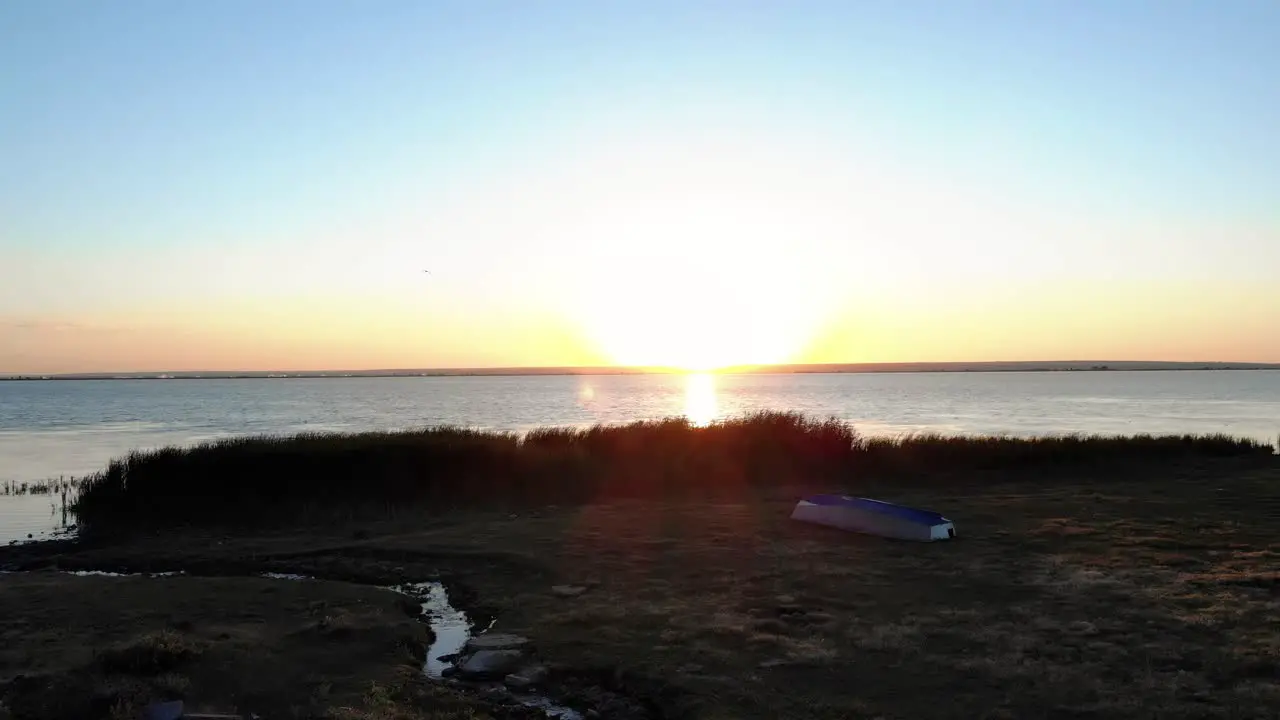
<point x="153" y="654"/>
<point x="322" y="475"/>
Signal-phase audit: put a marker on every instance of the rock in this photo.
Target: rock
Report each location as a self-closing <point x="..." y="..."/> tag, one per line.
<point x="527" y="677"/>
<point x="497" y="641"/>
<point x="776" y="662"/>
<point x="567" y="591"/>
<point x="163" y="710"/>
<point x="620" y="709"/>
<point x="517" y="682"/>
<point x="490" y="664"/>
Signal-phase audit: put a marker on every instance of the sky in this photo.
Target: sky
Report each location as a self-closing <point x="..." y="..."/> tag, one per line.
<point x="248" y="185"/>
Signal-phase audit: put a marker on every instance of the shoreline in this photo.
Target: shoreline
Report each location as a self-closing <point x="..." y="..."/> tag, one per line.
<point x="346" y="475"/>
<point x="1141" y="447"/>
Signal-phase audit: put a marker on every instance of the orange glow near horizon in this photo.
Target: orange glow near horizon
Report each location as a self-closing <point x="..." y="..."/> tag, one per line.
<point x="1068" y="322"/>
<point x="691" y="256"/>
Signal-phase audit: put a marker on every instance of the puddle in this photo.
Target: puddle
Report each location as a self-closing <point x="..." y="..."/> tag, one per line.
<point x="105" y="573"/>
<point x="286" y="576"/>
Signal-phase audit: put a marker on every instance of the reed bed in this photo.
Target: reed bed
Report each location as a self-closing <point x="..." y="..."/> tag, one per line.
<point x="325" y="475"/>
<point x="53" y="486"/>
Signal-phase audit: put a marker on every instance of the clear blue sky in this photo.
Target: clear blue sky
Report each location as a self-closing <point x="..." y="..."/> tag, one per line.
<point x="226" y="175"/>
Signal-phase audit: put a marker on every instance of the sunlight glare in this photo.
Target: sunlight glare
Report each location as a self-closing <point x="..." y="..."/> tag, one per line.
<point x="586" y="394"/>
<point x="702" y="256"/>
<point x="700" y="398"/>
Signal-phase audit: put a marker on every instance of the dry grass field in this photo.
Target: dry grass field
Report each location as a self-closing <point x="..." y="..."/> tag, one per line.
<point x="1088" y="597"/>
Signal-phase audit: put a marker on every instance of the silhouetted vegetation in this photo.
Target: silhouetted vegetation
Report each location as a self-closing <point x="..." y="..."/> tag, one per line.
<point x="54" y="486"/>
<point x="325" y="475"/>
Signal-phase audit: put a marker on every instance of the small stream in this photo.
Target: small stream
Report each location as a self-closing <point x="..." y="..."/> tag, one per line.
<point x="450" y="628"/>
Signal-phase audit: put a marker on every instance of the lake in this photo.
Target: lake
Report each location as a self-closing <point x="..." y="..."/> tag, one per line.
<point x="72" y="427"/>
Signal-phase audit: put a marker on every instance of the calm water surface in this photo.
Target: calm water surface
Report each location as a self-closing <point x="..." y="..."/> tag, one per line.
<point x="68" y="427"/>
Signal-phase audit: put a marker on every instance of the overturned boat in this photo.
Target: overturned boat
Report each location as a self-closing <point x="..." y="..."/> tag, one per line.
<point x="874" y="517"/>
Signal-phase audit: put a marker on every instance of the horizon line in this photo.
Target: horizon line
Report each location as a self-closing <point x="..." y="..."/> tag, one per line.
<point x="777" y="368"/>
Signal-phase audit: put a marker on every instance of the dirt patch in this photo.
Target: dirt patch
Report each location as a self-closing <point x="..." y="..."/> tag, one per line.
<point x="84" y="647"/>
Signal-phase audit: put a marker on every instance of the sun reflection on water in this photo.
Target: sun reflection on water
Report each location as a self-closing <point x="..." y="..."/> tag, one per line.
<point x="700" y="398"/>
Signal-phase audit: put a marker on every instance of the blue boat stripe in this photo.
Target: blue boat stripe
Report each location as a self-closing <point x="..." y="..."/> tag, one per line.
<point x="880" y="506"/>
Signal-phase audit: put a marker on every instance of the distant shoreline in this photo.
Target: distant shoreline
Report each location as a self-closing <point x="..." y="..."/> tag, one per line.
<point x="793" y="369"/>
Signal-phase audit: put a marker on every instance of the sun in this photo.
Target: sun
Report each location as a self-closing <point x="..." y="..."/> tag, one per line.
<point x="691" y="257"/>
<point x="696" y="314"/>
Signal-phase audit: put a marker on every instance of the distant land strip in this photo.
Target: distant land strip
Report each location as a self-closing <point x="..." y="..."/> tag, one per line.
<point x="823" y="368"/>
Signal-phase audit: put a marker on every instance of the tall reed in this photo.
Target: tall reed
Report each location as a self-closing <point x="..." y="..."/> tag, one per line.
<point x="283" y="478"/>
